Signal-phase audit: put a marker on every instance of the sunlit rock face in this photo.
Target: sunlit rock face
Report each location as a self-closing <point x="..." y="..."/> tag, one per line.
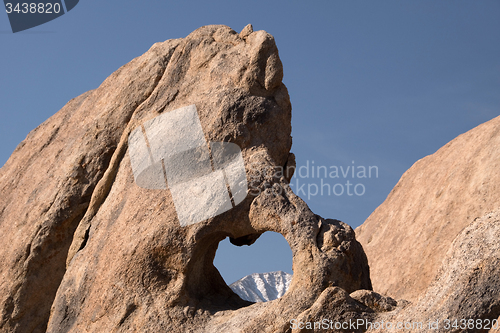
<point x="407" y="236"/>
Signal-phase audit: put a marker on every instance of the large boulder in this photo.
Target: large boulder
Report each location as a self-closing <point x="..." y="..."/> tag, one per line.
<point x="91" y="244"/>
<point x="407" y="236"/>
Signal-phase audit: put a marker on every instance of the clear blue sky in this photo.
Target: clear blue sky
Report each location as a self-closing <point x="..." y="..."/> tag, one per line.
<point x="380" y="83"/>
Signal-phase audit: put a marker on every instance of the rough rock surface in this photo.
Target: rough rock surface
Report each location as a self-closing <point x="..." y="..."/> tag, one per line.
<point x="86" y="250"/>
<point x="407" y="236"/>
<point x="374" y="301"/>
<point x="47" y="184"/>
<point x="467" y="285"/>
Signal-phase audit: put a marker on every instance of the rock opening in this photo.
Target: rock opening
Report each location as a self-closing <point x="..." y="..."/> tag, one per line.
<point x="258" y="272"/>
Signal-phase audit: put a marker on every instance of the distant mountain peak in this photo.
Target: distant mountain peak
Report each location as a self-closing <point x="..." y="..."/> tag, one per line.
<point x="262" y="287"/>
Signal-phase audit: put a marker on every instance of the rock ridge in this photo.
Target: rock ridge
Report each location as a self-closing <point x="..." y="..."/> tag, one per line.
<point x="407" y="236"/>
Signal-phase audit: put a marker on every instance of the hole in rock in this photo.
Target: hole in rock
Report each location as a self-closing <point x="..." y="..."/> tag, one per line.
<point x="260" y="272"/>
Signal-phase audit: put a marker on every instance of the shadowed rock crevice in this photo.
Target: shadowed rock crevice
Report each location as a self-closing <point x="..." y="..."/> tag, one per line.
<point x="244" y="240"/>
<point x="104" y="185"/>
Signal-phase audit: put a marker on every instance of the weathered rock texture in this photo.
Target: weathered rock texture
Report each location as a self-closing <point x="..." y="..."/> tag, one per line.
<point x="407" y="236"/>
<point x="86" y="250"/>
<point x="467" y="285"/>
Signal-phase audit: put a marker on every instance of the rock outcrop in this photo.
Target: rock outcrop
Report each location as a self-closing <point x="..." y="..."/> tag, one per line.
<point x="407" y="236"/>
<point x="93" y="238"/>
<point x="86" y="249"/>
<point x="465" y="294"/>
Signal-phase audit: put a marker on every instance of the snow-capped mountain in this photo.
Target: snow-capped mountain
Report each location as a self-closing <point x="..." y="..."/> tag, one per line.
<point x="262" y="287"/>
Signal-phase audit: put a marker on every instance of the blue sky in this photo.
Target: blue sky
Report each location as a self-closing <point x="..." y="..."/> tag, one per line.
<point x="380" y="83"/>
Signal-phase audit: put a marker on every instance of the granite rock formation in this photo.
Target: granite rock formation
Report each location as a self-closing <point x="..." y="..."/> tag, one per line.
<point x="408" y="235"/>
<point x="466" y="286"/>
<point x="87" y="250"/>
